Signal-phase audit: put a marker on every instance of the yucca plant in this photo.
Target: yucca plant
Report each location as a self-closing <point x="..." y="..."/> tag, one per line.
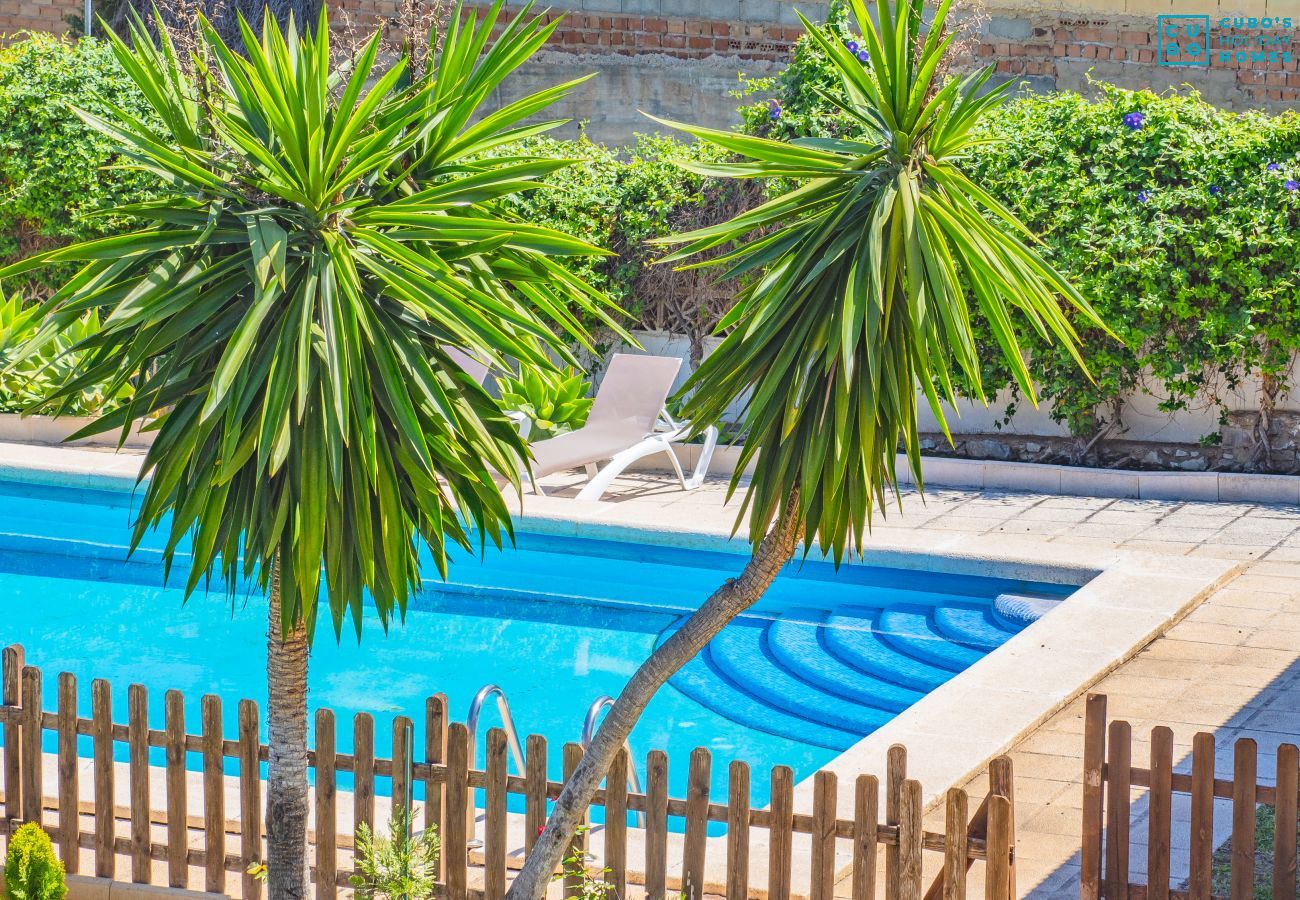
<point x="554" y="400"/>
<point x="860" y="283"/>
<point x="285" y="310"/>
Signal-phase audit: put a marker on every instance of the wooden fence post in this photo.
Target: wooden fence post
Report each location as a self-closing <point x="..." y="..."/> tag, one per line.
<point x="911" y="842"/>
<point x="822" y="884"/>
<point x="956" y="852"/>
<point x="403" y="737"/>
<point x="738" y="831"/>
<point x="435" y="755"/>
<point x="327" y="864"/>
<point x="494" y="817"/>
<point x="13" y="661"/>
<point x="137" y="731"/>
<point x="1119" y="766"/>
<point x="779" y="844"/>
<point x="214" y="796"/>
<point x="1202" y="825"/>
<point x="997" y="877"/>
<point x="895" y="775"/>
<point x="1244" y="776"/>
<point x="363" y="771"/>
<point x="69" y="789"/>
<point x="101" y="699"/>
<point x="1094" y="758"/>
<point x="866" y="826"/>
<point x="1003" y="783"/>
<point x="656" y="823"/>
<point x="1160" y="813"/>
<point x="616" y="823"/>
<point x="1284" y="847"/>
<point x="697" y="823"/>
<point x="32" y="787"/>
<point x="250" y="796"/>
<point x="534" y="790"/>
<point x="573" y="883"/>
<point x="459" y="799"/>
<point x="178" y="833"/>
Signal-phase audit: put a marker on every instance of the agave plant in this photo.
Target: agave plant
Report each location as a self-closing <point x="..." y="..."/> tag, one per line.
<point x="860" y="283"/>
<point x="554" y="400"/>
<point x="286" y="308"/>
<point x="30" y="371"/>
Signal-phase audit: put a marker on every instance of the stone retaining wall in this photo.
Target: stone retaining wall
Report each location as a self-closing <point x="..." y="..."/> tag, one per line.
<point x="1239" y="449"/>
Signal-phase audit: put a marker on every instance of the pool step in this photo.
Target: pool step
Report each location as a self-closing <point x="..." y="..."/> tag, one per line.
<point x="911" y="630"/>
<point x="974" y="625"/>
<point x="704" y="684"/>
<point x="853" y="635"/>
<point x="796" y="639"/>
<point x="831" y="678"/>
<point x="740" y="653"/>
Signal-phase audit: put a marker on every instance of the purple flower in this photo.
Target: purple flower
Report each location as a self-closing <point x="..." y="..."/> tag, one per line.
<point x="1273" y="167"/>
<point x="1134" y="121"/>
<point x="1215" y="189"/>
<point x="1143" y="197"/>
<point x="864" y="56"/>
<point x="1292" y="185"/>
<point x="852" y="46"/>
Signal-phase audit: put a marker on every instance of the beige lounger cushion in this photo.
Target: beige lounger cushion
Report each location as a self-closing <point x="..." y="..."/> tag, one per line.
<point x="627" y="405"/>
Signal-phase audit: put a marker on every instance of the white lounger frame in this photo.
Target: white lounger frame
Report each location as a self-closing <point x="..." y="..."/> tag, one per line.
<point x="667" y="432"/>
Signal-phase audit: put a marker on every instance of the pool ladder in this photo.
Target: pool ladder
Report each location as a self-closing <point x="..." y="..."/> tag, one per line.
<point x="512" y="741"/>
<point x="589" y="730"/>
<point x="516" y="751"/>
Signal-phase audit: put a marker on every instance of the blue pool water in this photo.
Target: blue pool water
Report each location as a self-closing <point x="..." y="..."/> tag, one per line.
<point x="825" y="659"/>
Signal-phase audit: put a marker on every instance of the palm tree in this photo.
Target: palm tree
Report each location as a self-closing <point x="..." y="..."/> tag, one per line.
<point x="285" y="310"/>
<point x="860" y="283"/>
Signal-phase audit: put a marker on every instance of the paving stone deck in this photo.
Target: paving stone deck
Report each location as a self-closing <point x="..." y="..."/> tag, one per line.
<point x="1232" y="666"/>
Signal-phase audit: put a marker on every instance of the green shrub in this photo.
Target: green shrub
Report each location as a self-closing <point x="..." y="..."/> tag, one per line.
<point x="1174" y="226"/>
<point x="32" y="871"/>
<point x="620" y="198"/>
<point x="54" y="186"/>
<point x="1176" y="230"/>
<point x="403" y="866"/>
<point x="32" y="365"/>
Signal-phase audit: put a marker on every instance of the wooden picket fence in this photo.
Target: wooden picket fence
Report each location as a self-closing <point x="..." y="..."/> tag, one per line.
<point x="1109" y="780"/>
<point x="479" y="869"/>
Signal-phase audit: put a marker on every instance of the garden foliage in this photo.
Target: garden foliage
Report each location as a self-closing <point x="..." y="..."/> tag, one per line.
<point x="32" y="871"/>
<point x="1179" y="221"/>
<point x="54" y="184"/>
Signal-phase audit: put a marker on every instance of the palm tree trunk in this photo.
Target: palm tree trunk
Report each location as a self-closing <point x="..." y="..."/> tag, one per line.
<point x="731" y="599"/>
<point x="286" y="792"/>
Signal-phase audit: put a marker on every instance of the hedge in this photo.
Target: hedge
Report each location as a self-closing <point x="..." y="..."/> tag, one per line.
<point x="1178" y="220"/>
<point x="54" y="185"/>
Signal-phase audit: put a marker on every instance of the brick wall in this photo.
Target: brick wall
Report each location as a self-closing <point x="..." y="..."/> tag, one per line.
<point x="1055" y="51"/>
<point x="36" y="15"/>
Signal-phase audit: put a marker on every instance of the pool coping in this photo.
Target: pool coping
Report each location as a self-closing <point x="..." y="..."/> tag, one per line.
<point x="1125" y="600"/>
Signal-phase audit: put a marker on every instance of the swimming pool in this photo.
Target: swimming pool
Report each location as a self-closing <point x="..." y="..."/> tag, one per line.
<point x="557" y="622"/>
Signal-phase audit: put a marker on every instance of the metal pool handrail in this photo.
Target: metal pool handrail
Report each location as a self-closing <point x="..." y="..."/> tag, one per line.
<point x="589" y="729"/>
<point x="512" y="739"/>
